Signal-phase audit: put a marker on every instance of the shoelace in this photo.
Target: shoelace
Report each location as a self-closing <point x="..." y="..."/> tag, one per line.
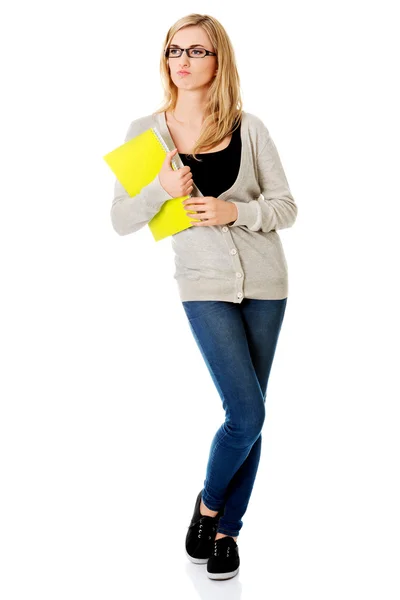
<point x="207" y="528"/>
<point x="217" y="548"/>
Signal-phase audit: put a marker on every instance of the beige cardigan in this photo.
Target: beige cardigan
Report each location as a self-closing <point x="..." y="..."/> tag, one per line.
<point x="244" y="259"/>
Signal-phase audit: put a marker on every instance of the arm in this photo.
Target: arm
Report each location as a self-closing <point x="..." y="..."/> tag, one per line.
<point x="277" y="209"/>
<point x="131" y="213"/>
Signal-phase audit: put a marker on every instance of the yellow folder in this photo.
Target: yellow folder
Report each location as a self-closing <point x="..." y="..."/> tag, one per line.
<point x="135" y="164"/>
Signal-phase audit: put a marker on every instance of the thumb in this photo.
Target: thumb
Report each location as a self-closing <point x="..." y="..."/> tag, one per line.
<point x="169" y="156"/>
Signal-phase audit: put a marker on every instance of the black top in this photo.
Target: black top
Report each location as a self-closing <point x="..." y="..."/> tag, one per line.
<point x="217" y="171"/>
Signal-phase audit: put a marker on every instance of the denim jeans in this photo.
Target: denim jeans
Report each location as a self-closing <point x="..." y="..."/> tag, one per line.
<point x="237" y="342"/>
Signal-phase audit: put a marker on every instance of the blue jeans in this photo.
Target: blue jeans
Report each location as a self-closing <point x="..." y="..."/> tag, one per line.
<point x="237" y="342"/>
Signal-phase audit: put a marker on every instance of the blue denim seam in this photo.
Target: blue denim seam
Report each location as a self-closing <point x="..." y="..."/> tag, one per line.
<point x="216" y="447"/>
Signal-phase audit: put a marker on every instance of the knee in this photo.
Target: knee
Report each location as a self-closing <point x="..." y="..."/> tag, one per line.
<point x="253" y="429"/>
<point x="250" y="426"/>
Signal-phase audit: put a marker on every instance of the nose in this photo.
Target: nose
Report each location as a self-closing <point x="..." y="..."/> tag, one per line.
<point x="183" y="64"/>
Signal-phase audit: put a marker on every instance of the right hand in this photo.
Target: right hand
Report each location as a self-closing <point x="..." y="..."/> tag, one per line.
<point x="176" y="183"/>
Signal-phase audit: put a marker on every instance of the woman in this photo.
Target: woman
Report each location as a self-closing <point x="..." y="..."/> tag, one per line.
<point x="230" y="266"/>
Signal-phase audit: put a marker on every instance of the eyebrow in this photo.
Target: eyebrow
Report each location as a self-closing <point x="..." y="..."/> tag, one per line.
<point x="192" y="46"/>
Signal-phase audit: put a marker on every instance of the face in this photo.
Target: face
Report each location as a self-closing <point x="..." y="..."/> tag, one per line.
<point x="201" y="70"/>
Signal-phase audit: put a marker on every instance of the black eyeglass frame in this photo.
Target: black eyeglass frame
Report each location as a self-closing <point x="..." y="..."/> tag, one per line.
<point x="207" y="52"/>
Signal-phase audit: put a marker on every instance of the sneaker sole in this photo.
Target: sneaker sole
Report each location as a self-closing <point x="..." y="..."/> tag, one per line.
<point x="223" y="575"/>
<point x="196" y="561"/>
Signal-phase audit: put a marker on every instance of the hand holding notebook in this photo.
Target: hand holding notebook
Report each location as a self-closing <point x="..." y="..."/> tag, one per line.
<point x="136" y="163"/>
<point x="176" y="182"/>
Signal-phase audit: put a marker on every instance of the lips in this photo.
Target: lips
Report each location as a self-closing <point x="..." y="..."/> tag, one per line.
<point x="183" y="73"/>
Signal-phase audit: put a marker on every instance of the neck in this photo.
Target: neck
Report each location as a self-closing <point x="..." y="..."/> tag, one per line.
<point x="189" y="110"/>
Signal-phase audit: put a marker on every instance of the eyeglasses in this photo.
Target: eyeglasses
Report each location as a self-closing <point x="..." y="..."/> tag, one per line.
<point x="191" y="52"/>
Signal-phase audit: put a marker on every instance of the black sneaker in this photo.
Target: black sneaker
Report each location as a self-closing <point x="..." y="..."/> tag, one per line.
<point x="224" y="561"/>
<point x="201" y="534"/>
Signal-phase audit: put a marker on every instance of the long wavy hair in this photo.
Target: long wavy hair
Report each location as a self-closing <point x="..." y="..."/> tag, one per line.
<point x="223" y="113"/>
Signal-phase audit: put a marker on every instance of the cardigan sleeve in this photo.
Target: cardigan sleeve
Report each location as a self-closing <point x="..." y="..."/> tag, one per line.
<point x="277" y="208"/>
<point x="131" y="213"/>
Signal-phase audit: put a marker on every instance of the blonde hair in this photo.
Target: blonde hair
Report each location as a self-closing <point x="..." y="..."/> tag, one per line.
<point x="223" y="112"/>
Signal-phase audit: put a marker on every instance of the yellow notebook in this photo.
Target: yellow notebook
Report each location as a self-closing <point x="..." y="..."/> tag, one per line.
<point x="135" y="164"/>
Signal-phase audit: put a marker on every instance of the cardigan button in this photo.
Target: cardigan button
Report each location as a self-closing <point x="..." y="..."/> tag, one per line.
<point x="239" y="294"/>
<point x="233" y="251"/>
<point x="224" y="229"/>
<point x="238" y="274"/>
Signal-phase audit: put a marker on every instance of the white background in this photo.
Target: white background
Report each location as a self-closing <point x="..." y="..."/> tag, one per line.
<point x="107" y="408"/>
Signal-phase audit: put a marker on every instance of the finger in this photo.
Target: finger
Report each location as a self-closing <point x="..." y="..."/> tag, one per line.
<point x="188" y="190"/>
<point x="187" y="177"/>
<point x="196" y="201"/>
<point x="201" y="216"/>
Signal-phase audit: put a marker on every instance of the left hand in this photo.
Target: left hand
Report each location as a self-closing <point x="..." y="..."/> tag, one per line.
<point x="212" y="211"/>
